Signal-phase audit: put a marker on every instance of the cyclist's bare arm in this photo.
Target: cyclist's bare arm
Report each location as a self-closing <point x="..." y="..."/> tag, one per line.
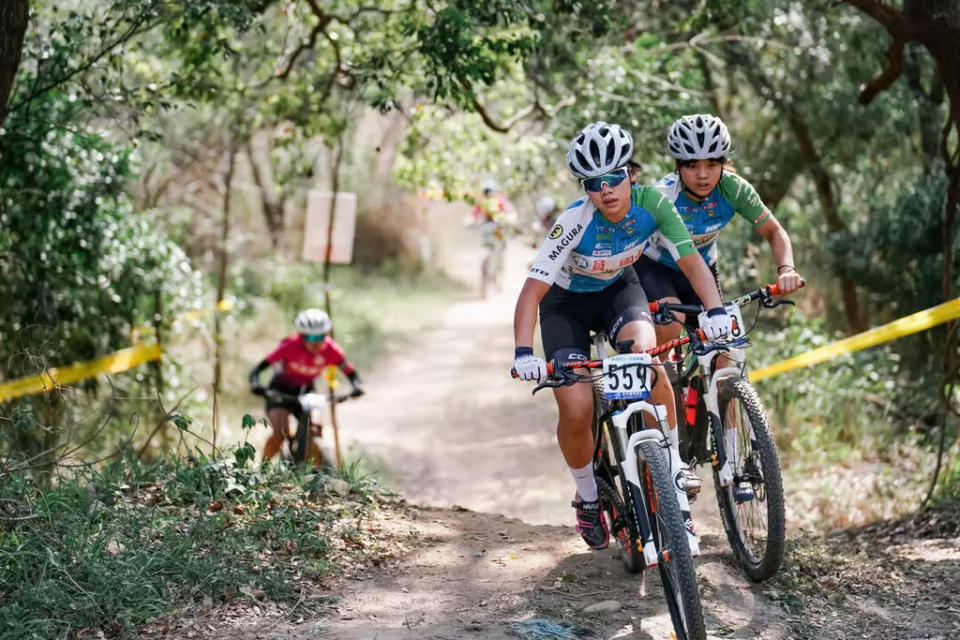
<point x="525" y="315"/>
<point x="700" y="279"/>
<point x="776" y="236"/>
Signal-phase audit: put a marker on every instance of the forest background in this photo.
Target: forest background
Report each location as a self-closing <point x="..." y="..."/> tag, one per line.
<point x="155" y="155"/>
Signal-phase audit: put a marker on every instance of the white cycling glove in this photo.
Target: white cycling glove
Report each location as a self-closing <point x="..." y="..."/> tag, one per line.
<point x="718" y="324"/>
<point x="529" y="366"/>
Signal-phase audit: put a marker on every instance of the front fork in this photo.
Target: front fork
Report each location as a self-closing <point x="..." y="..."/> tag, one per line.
<point x="712" y="405"/>
<point x="631" y="471"/>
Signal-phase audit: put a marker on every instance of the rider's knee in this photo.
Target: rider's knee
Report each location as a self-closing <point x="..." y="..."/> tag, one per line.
<point x="576" y="415"/>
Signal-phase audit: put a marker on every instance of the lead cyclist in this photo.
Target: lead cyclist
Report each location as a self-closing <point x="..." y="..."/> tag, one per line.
<point x="582" y="280"/>
<point x="708" y="197"/>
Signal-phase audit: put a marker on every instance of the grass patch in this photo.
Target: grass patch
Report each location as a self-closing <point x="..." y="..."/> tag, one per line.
<point x="114" y="547"/>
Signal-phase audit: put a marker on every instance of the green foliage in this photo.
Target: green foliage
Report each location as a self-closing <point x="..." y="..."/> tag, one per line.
<point x="897" y="256"/>
<point x="89" y="273"/>
<point x="862" y="399"/>
<point x="114" y="547"/>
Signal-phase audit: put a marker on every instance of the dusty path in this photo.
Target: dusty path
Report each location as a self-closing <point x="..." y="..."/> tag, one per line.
<point x="480" y="546"/>
<point x="448" y="427"/>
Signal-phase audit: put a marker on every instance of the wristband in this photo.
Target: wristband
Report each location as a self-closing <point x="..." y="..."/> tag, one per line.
<point x="716" y="311"/>
<point x="789" y="266"/>
<point x="522" y="351"/>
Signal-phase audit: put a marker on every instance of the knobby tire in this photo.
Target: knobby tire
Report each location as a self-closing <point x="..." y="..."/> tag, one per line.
<point x="759" y="558"/>
<point x="677" y="574"/>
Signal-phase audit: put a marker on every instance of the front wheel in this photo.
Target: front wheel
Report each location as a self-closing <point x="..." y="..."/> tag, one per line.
<point x="754" y="519"/>
<point x="300" y="445"/>
<point x="677" y="574"/>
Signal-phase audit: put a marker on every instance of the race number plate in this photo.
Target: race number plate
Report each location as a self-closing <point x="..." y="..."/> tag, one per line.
<point x="734" y="311"/>
<point x="627" y="376"/>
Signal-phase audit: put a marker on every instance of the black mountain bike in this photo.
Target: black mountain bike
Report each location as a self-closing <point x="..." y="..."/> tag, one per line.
<point x="308" y="409"/>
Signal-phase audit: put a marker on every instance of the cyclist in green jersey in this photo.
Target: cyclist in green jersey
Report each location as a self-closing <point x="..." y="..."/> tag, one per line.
<point x="708" y="197"/>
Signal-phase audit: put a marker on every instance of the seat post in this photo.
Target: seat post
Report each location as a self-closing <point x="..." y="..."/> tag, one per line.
<point x="601" y="344"/>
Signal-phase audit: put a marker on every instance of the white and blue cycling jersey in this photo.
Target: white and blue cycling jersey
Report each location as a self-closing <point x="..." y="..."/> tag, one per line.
<point x="585" y="252"/>
<point x="705" y="219"/>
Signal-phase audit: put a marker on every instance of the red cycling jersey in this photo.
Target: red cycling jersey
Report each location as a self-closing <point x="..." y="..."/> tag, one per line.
<point x="298" y="367"/>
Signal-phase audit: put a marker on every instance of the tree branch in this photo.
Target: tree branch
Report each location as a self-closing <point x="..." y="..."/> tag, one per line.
<point x="889" y="16"/>
<point x="138" y="26"/>
<point x="894" y="68"/>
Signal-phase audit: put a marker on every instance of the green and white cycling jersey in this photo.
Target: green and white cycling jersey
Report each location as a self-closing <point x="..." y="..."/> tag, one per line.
<point x="585" y="252"/>
<point x="705" y="219"/>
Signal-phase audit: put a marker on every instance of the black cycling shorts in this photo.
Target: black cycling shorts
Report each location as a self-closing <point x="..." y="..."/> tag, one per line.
<point x="660" y="281"/>
<point x="567" y="317"/>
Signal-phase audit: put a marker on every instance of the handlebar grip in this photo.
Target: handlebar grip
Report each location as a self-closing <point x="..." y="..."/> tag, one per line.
<point x="513" y="372"/>
<point x="774" y="289"/>
<point x="654" y="306"/>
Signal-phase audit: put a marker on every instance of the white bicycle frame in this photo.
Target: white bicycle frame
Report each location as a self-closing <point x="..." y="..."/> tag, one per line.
<point x="629" y="444"/>
<point x="711" y="400"/>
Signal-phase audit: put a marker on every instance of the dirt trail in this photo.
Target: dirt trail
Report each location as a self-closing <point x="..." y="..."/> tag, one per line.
<point x="481" y="544"/>
<point x="449" y="428"/>
<point x="489" y="551"/>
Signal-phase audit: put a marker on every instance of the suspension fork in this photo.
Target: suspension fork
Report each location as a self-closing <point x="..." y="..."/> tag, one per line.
<point x="630" y="467"/>
<point x="711" y="398"/>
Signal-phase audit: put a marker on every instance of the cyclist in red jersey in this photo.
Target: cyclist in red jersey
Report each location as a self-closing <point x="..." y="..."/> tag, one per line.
<point x="297" y="362"/>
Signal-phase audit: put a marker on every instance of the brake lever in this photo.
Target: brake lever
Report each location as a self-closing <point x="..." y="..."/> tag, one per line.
<point x="704" y="348"/>
<point x="663" y="317"/>
<point x="563" y="378"/>
<point x="770" y="303"/>
<point x="549" y="383"/>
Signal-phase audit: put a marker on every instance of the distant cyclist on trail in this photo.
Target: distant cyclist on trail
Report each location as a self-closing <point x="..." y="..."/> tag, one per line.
<point x="583" y="280"/>
<point x="547" y="212"/>
<point x="297" y="363"/>
<point x="708" y="197"/>
<point x="495" y="216"/>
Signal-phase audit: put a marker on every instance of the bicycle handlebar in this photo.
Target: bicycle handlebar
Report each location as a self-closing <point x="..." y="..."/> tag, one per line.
<point x="553" y="366"/>
<point x="765" y="292"/>
<point x="291" y="398"/>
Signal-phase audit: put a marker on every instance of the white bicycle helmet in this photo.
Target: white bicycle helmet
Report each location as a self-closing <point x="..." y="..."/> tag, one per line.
<point x="698" y="137"/>
<point x="313" y="321"/>
<point x="545" y="205"/>
<point x="599" y="149"/>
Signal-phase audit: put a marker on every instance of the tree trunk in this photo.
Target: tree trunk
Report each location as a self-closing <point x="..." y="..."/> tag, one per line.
<point x="222" y="289"/>
<point x="855" y="313"/>
<point x="14" y="15"/>
<point x="334" y="188"/>
<point x="272" y="209"/>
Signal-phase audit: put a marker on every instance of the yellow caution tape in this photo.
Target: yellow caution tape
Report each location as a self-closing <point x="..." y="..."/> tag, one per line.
<point x="114" y="363"/>
<point x="913" y="323"/>
<point x="224" y="305"/>
<point x="59" y="376"/>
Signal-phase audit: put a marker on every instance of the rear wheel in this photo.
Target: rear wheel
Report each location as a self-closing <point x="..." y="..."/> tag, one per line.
<point x="755" y="527"/>
<point x="677" y="574"/>
<point x="623" y="527"/>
